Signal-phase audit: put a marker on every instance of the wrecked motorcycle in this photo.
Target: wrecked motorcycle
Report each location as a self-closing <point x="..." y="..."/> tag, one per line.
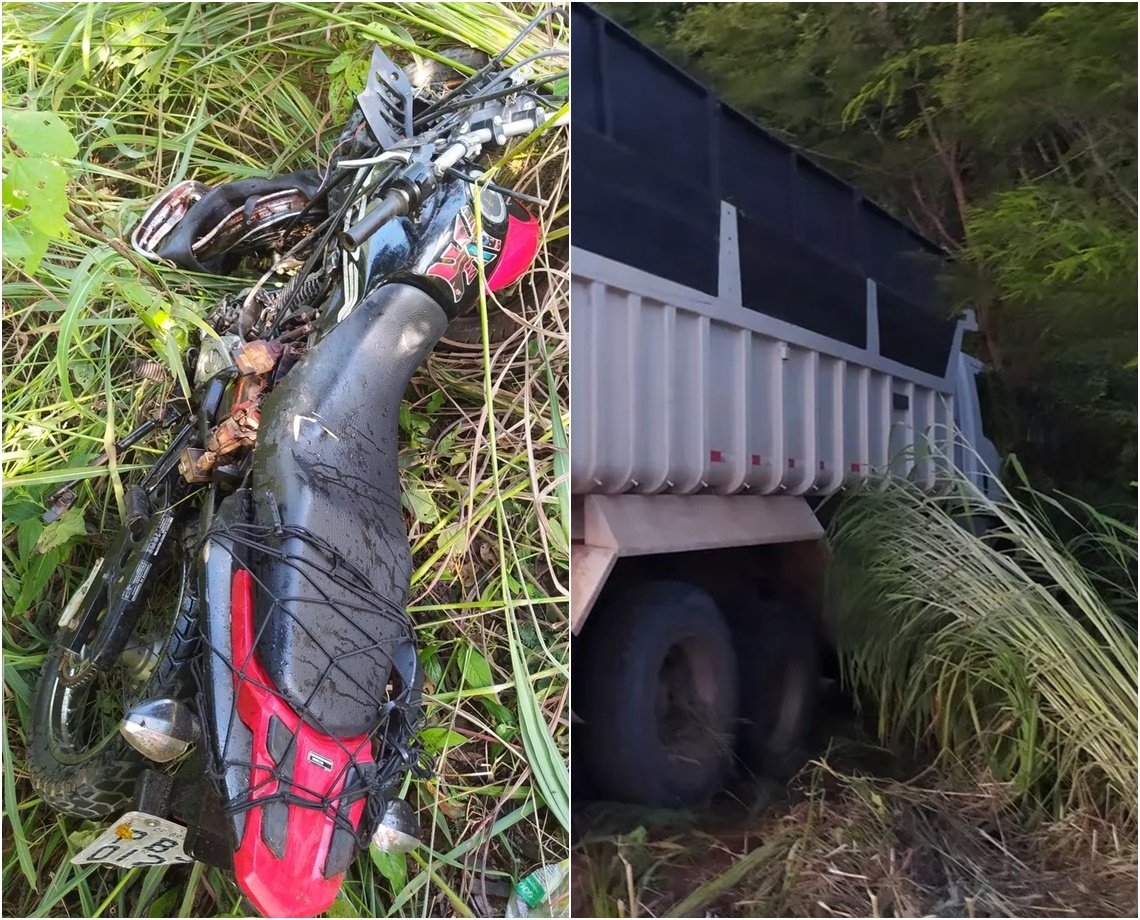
<point x="238" y="674"/>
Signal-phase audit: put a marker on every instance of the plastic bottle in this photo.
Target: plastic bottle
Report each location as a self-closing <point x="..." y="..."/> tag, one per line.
<point x="543" y="893"/>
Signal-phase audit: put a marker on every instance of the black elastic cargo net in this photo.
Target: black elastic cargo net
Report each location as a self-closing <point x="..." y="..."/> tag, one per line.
<point x="393" y="740"/>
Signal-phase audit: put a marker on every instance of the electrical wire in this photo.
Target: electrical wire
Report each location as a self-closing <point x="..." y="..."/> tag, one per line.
<point x="507" y="91"/>
<point x="495" y="187"/>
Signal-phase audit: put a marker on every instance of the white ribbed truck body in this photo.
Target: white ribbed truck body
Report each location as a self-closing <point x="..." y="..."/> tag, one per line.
<point x="676" y="391"/>
<point x="749" y="335"/>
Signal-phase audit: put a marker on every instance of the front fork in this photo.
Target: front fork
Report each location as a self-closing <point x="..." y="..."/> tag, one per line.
<point x="108" y="611"/>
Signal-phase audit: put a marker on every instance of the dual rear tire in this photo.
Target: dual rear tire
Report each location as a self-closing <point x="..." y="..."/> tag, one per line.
<point x="672" y="699"/>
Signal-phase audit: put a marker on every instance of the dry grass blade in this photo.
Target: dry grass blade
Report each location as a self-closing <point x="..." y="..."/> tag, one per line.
<point x="852" y="846"/>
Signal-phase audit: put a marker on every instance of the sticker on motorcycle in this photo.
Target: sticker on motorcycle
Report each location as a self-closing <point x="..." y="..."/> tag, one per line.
<point x="137" y="839"/>
<point x="317" y="760"/>
<point x="456" y="263"/>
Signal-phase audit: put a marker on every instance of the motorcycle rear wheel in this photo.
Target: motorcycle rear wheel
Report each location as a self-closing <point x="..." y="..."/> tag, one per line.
<point x="78" y="761"/>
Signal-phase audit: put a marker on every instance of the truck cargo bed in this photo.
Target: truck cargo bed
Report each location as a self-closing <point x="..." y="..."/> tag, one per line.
<point x="743" y="320"/>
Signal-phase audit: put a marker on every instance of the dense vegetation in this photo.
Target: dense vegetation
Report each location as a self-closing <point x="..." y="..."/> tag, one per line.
<point x="1007" y="133"/>
<point x="993" y="769"/>
<point x="106" y="104"/>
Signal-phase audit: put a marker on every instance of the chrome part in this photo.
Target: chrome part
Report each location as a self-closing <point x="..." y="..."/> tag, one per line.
<point x="215" y="356"/>
<point x="161" y="729"/>
<point x="398" y="831"/>
<point x="163" y="216"/>
<point x="140" y="659"/>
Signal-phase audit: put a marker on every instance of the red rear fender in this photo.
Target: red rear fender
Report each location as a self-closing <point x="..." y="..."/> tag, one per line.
<point x="287" y="847"/>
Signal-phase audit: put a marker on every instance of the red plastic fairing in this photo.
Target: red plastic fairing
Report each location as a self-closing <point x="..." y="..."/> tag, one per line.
<point x="294" y="886"/>
<point x="520" y="246"/>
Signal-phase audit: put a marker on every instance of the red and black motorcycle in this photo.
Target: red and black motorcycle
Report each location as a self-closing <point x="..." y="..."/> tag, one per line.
<point x="239" y="674"/>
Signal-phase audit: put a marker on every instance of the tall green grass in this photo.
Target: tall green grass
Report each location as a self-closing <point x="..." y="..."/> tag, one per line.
<point x="154" y="93"/>
<point x="1012" y="653"/>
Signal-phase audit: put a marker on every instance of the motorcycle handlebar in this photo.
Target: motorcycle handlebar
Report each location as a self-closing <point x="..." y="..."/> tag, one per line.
<point x="394" y="204"/>
<point x="397" y="202"/>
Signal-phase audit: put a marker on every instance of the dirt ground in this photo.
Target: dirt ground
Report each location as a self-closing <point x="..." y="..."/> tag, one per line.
<point x="860" y="832"/>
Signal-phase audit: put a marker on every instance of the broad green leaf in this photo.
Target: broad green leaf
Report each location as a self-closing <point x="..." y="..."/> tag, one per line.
<point x="393" y="866"/>
<point x="165" y="904"/>
<point x="420" y="503"/>
<point x="41" y="186"/>
<point x="85" y="372"/>
<point x="27" y="535"/>
<point x="342" y="907"/>
<point x="438" y="737"/>
<point x="341" y="61"/>
<point x="84" y="835"/>
<point x="500" y="713"/>
<point x="19" y="506"/>
<point x="144" y="299"/>
<point x="40" y="134"/>
<point x="11" y="196"/>
<point x="40" y="569"/>
<point x="16" y="248"/>
<point x="433" y="670"/>
<point x="24" y="243"/>
<point x="68" y="525"/>
<point x="476" y="671"/>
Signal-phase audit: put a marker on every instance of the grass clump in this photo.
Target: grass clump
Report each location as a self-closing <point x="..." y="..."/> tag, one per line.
<point x="1010" y="654"/>
<point x="154" y="93"/>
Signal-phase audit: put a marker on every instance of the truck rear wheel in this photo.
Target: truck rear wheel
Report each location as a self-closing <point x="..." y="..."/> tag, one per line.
<point x="661" y="695"/>
<point x="779" y="682"/>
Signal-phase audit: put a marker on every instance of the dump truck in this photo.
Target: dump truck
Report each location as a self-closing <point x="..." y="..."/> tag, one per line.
<point x="749" y="336"/>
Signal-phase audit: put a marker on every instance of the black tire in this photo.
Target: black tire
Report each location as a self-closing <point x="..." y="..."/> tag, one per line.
<point x="467" y="329"/>
<point x="779" y="688"/>
<point x="659" y="693"/>
<point x="101" y="779"/>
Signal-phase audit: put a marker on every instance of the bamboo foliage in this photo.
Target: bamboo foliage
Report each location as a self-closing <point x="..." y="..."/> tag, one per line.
<point x="1004" y="649"/>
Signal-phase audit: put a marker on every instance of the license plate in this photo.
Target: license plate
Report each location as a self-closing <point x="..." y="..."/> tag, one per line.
<point x="137" y="839"/>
